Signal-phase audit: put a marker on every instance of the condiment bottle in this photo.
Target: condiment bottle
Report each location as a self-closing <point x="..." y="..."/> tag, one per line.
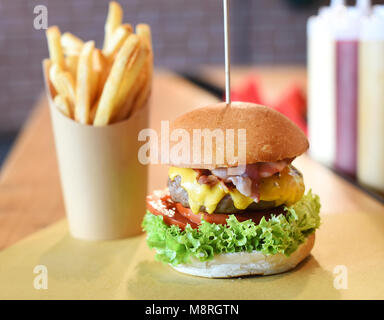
<point x="346" y="34"/>
<point x="370" y="170"/>
<point x="321" y="83"/>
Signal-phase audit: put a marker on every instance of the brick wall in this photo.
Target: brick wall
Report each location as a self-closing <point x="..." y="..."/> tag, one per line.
<point x="186" y="33"/>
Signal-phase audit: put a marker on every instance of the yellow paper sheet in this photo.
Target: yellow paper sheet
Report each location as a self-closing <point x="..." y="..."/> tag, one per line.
<point x="126" y="269"/>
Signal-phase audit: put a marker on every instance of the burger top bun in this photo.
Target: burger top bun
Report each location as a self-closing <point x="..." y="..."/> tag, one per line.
<point x="229" y="265"/>
<point x="270" y="136"/>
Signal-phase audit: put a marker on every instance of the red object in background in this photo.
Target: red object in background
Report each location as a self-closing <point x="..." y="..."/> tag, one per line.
<point x="292" y="103"/>
<point x="248" y="92"/>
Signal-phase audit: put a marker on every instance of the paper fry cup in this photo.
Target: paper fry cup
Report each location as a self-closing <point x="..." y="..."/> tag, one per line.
<point x="103" y="183"/>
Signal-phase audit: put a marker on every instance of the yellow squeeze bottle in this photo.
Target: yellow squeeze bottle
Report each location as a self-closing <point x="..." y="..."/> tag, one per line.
<point x="370" y="162"/>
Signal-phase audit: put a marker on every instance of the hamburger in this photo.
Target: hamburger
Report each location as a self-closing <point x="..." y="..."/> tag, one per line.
<point x="210" y="222"/>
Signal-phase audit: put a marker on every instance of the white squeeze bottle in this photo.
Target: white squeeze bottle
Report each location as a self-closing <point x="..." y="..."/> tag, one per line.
<point x="364" y="7"/>
<point x="321" y="83"/>
<point x="378" y="9"/>
<point x="370" y="164"/>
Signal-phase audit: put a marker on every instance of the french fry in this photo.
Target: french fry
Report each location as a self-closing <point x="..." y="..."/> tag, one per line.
<point x="144" y="32"/>
<point x="117" y="40"/>
<point x="92" y="114"/>
<point x="71" y="65"/>
<point x="71" y="44"/>
<point x="142" y="96"/>
<point x="63" y="82"/>
<point x="98" y="65"/>
<point x="54" y="46"/>
<point x="47" y="63"/>
<point x="145" y="80"/>
<point x="62" y="103"/>
<point x="114" y="19"/>
<point x="95" y="86"/>
<point x="103" y="78"/>
<point x="130" y="84"/>
<point x="128" y="104"/>
<point x="107" y="105"/>
<point x="83" y="83"/>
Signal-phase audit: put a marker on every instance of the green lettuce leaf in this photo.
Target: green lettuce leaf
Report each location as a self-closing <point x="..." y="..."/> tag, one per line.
<point x="280" y="234"/>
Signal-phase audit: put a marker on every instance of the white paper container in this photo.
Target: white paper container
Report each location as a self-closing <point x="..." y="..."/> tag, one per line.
<point x="103" y="183"/>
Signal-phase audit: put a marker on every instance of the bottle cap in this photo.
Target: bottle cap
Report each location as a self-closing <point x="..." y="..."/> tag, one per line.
<point x="372" y="28"/>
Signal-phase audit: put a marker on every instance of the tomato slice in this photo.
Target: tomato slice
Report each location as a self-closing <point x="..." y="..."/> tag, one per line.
<point x="160" y="203"/>
<point x="221" y="218"/>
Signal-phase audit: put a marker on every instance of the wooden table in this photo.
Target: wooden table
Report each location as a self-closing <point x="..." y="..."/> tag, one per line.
<point x="30" y="196"/>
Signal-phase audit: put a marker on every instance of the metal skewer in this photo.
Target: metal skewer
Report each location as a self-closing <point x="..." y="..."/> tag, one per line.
<point x="227" y="53"/>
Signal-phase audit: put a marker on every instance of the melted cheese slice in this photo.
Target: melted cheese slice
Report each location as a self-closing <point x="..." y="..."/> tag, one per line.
<point x="286" y="188"/>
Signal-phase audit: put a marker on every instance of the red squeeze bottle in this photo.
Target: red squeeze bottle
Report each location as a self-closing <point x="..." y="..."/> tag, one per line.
<point x="347" y="51"/>
<point x="346" y="105"/>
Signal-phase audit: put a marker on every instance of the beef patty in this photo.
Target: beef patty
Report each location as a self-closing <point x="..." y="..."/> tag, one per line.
<point x="178" y="194"/>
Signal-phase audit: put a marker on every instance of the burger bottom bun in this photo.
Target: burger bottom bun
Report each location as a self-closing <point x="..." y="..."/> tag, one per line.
<point x="229" y="265"/>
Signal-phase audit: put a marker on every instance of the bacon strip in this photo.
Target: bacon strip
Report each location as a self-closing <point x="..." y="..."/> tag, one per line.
<point x="248" y="182"/>
<point x="210" y="180"/>
<point x="202" y="172"/>
<point x="268" y="169"/>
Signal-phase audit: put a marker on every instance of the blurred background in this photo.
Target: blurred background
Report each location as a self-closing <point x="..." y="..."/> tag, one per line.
<point x="186" y="35"/>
